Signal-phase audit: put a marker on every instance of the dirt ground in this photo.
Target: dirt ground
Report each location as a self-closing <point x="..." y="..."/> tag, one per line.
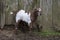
<point x="10" y="35"/>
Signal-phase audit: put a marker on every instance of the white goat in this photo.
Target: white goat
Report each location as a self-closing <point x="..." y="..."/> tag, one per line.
<point x="21" y="15"/>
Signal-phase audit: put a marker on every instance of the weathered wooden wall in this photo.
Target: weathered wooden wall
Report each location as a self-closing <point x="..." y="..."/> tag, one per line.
<point x="50" y="12"/>
<point x="56" y="14"/>
<point x="46" y="19"/>
<point x="2" y="12"/>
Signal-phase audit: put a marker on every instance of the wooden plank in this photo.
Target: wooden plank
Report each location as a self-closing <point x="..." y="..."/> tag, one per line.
<point x="3" y="14"/>
<point x="56" y="14"/>
<point x="46" y="6"/>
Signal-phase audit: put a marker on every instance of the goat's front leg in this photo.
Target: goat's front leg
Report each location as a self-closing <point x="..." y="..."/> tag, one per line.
<point x="30" y="27"/>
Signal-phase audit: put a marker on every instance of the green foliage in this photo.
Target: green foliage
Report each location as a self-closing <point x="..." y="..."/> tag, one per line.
<point x="45" y="33"/>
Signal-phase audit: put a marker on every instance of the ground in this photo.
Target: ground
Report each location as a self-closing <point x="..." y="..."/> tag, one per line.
<point x="6" y="34"/>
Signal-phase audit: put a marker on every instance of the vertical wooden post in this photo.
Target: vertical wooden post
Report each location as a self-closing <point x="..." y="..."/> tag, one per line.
<point x="3" y="14"/>
<point x="46" y="6"/>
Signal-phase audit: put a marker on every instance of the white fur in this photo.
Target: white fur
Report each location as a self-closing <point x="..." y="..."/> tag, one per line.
<point x="11" y="12"/>
<point x="21" y="15"/>
<point x="39" y="9"/>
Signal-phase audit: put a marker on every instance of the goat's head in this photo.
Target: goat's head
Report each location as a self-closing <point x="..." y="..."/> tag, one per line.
<point x="38" y="11"/>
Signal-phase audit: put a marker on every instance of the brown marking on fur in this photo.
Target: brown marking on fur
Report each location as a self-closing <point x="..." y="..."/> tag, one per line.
<point x="34" y="16"/>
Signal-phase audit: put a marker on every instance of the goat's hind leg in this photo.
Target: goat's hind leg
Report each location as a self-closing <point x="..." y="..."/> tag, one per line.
<point x="15" y="29"/>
